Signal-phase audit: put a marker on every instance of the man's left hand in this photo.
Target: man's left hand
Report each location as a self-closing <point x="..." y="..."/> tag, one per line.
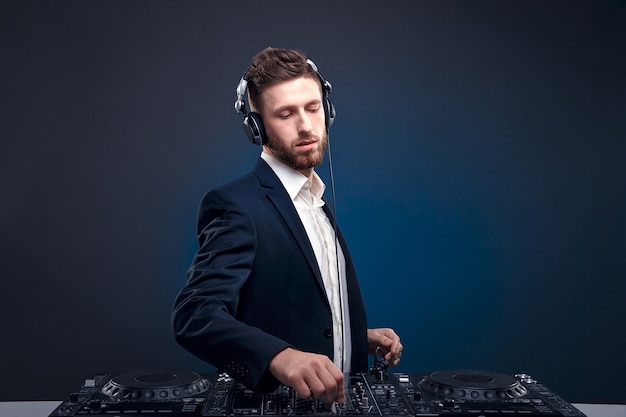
<point x="387" y="340"/>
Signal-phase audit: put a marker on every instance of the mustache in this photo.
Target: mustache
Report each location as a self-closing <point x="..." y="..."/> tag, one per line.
<point x="310" y="137"/>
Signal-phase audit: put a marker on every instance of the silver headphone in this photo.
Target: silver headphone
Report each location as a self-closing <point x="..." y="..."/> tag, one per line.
<point x="252" y="122"/>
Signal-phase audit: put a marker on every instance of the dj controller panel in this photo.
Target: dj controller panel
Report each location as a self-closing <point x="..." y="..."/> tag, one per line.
<point x="174" y="393"/>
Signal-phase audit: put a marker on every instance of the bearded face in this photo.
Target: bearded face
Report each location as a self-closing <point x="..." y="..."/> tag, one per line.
<point x="294" y="122"/>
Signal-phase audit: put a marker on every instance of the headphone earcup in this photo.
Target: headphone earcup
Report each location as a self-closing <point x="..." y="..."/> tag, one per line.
<point x="253" y="126"/>
<point x="329" y="113"/>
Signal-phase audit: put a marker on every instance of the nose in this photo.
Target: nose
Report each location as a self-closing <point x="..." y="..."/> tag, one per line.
<point x="305" y="124"/>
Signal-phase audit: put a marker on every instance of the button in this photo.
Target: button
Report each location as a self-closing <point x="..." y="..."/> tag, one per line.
<point x="328" y="333"/>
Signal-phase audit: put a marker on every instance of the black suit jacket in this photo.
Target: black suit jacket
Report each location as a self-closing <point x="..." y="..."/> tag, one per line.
<point x="254" y="287"/>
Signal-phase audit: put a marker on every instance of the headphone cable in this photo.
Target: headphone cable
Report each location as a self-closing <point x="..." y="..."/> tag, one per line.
<point x="335" y="230"/>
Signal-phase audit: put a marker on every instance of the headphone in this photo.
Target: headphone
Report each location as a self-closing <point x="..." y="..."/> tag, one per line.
<point x="252" y="123"/>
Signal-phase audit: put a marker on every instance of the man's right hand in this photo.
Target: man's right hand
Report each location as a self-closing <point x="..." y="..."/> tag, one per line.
<point x="310" y="374"/>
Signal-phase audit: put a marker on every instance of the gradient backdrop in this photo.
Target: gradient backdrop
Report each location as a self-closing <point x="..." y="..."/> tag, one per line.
<point x="479" y="157"/>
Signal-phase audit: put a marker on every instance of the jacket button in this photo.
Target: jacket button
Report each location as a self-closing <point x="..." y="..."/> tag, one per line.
<point x="328" y="333"/>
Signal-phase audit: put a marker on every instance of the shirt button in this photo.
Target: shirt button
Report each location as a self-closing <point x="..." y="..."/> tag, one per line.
<point x="328" y="333"/>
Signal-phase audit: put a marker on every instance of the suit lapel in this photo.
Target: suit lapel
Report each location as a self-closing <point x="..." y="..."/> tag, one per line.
<point x="280" y="199"/>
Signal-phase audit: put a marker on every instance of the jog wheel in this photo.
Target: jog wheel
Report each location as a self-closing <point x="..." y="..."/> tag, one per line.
<point x="472" y="385"/>
<point x="155" y="385"/>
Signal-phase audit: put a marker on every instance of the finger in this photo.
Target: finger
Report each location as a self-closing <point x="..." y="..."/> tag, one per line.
<point x="393" y="356"/>
<point x="332" y="378"/>
<point x="395" y="346"/>
<point x="302" y="387"/>
<point x="341" y="395"/>
<point x="316" y="388"/>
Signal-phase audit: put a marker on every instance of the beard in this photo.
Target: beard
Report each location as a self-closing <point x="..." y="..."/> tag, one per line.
<point x="295" y="159"/>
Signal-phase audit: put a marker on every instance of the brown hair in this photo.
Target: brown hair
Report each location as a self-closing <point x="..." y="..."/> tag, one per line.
<point x="274" y="65"/>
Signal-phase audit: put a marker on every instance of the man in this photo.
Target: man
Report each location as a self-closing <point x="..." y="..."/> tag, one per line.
<point x="270" y="296"/>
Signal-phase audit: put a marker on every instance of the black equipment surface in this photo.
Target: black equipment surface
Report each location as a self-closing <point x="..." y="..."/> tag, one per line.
<point x="462" y="393"/>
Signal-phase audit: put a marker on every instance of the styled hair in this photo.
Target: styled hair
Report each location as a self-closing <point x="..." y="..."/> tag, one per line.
<point x="274" y="65"/>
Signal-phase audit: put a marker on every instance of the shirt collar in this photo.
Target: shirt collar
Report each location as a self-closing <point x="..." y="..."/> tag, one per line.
<point x="292" y="180"/>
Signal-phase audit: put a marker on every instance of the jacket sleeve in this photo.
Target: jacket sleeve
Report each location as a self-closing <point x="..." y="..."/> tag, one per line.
<point x="204" y="313"/>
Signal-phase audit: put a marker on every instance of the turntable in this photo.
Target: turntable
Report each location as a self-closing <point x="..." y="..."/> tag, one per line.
<point x="462" y="393"/>
<point x="483" y="393"/>
<point x="145" y="392"/>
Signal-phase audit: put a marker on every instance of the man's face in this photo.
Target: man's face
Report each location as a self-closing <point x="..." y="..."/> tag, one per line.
<point x="293" y="116"/>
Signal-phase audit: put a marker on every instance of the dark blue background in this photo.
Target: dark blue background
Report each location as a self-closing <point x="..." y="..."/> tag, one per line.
<point x="478" y="153"/>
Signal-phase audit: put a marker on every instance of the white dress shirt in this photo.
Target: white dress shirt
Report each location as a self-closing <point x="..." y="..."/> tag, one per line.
<point x="306" y="194"/>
